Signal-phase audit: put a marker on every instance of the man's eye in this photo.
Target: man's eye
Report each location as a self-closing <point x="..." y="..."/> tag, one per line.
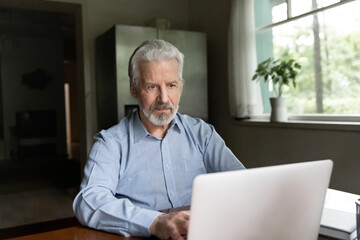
<point x="171" y="85"/>
<point x="151" y="87"/>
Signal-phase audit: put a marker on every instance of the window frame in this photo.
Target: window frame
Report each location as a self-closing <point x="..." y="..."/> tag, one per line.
<point x="291" y="18"/>
<point x="352" y="120"/>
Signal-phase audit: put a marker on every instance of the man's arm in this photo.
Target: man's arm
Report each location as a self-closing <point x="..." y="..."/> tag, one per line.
<point x="217" y="156"/>
<point x="97" y="204"/>
<point x="98" y="208"/>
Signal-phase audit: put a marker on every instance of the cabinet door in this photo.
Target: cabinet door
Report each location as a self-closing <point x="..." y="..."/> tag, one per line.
<point x="194" y="100"/>
<point x="127" y="39"/>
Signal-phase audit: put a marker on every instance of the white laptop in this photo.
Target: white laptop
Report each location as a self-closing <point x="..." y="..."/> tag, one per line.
<point x="282" y="202"/>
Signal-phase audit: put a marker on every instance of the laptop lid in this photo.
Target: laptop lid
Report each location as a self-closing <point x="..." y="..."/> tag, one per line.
<point x="278" y="202"/>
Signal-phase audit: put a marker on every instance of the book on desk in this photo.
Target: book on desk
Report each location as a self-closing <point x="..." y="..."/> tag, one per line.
<point x="339" y="215"/>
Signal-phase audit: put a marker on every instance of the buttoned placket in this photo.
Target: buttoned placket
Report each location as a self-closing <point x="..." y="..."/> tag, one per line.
<point x="169" y="173"/>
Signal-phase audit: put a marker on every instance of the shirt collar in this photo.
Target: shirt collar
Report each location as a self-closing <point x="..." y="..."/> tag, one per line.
<point x="176" y="125"/>
<point x="141" y="132"/>
<point x="139" y="129"/>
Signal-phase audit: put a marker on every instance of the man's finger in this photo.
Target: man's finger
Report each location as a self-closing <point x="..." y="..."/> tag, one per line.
<point x="175" y="235"/>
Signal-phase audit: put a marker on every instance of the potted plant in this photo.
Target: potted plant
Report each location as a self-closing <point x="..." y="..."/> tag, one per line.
<point x="281" y="73"/>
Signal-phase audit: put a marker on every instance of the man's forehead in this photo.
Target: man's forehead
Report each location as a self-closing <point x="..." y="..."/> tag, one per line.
<point x="150" y="68"/>
<point x="154" y="81"/>
<point x="158" y="61"/>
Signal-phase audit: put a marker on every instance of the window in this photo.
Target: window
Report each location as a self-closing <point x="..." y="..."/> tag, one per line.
<point x="323" y="36"/>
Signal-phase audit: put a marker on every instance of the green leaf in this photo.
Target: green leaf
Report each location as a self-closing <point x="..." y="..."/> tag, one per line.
<point x="282" y="72"/>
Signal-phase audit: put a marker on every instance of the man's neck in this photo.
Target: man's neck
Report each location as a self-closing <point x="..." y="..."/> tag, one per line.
<point x="154" y="130"/>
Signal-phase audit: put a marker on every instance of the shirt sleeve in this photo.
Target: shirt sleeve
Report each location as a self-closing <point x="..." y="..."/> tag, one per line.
<point x="97" y="205"/>
<point x="217" y="156"/>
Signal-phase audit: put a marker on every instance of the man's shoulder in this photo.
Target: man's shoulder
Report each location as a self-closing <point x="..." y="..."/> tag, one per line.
<point x="193" y="122"/>
<point x="188" y="119"/>
<point x="197" y="129"/>
<point x="118" y="131"/>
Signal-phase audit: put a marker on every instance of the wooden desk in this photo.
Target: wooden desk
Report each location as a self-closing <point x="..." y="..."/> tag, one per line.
<point x="79" y="232"/>
<point x="74" y="233"/>
<point x="68" y="229"/>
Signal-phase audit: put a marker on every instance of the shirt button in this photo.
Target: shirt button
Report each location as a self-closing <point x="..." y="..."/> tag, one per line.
<point x="167" y="167"/>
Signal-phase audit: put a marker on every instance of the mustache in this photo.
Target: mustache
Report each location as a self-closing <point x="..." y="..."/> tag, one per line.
<point x="161" y="106"/>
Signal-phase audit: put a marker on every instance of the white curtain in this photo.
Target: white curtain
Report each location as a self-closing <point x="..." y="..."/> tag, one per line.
<point x="245" y="94"/>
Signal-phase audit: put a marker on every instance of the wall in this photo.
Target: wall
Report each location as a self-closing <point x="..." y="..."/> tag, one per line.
<point x="214" y="22"/>
<point x="263" y="144"/>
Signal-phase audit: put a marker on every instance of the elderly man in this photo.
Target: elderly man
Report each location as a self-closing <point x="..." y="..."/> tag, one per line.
<point x="149" y="160"/>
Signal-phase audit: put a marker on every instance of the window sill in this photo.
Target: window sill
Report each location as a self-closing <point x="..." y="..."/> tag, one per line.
<point x="315" y="122"/>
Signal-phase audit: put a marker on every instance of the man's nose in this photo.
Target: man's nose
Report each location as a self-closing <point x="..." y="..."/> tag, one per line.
<point x="163" y="95"/>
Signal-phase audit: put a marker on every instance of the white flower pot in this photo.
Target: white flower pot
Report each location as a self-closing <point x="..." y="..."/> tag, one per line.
<point x="278" y="110"/>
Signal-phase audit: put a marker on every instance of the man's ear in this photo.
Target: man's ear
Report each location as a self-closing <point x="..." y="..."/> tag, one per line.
<point x="182" y="87"/>
<point x="133" y="92"/>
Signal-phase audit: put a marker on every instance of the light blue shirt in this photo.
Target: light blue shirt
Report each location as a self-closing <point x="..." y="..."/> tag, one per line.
<point x="131" y="174"/>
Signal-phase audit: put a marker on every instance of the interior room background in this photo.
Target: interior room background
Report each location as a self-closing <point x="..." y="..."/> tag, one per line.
<point x="255" y="144"/>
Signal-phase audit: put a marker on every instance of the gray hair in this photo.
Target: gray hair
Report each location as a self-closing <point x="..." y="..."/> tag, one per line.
<point x="153" y="50"/>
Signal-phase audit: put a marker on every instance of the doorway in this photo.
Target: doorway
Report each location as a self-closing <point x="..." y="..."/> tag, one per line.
<point x="39" y="54"/>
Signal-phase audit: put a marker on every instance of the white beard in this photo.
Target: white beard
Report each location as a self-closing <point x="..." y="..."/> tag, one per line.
<point x="162" y="118"/>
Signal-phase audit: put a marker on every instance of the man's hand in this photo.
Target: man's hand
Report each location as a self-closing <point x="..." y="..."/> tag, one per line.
<point x="171" y="225"/>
